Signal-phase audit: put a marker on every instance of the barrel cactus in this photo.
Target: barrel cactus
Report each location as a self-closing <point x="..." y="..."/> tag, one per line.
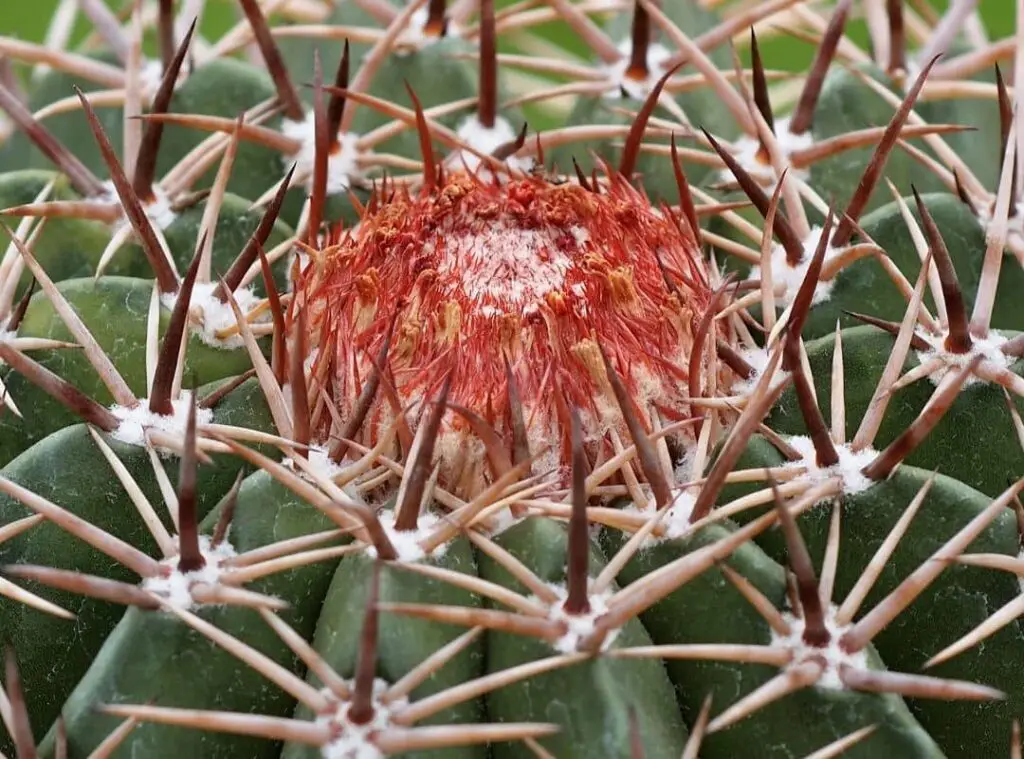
<point x="476" y="379"/>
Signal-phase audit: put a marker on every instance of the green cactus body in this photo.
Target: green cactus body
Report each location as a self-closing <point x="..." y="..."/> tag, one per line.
<point x="592" y="700"/>
<point x="708" y="610"/>
<point x="961" y="728"/>
<point x="298" y="51"/>
<point x="66" y="248"/>
<point x="437" y="62"/>
<point x="71" y="248"/>
<point x="702" y="106"/>
<point x="154" y="655"/>
<point x="85" y="485"/>
<point x="224" y="87"/>
<point x="658" y="177"/>
<point x="865" y="288"/>
<point x="70" y="128"/>
<point x="236" y="222"/>
<point x="848" y="105"/>
<point x="953" y="447"/>
<point x="115" y="309"/>
<point x="964" y="236"/>
<point x="430" y="65"/>
<point x="439" y="71"/>
<point x="529" y="350"/>
<point x="402" y="642"/>
<point x="243" y="406"/>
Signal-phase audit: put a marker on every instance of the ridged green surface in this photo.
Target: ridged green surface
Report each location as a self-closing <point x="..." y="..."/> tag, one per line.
<point x="591" y="701"/>
<point x="987" y="462"/>
<point x="152" y="655"/>
<point x="710" y="610"/>
<point x="83" y="484"/>
<point x="115" y="309"/>
<point x="602" y="705"/>
<point x="402" y="643"/>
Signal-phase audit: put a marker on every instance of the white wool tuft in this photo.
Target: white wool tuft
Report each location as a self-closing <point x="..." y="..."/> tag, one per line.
<point x="791" y="277"/>
<point x="342" y="166"/>
<point x="5" y="336"/>
<point x="580" y="626"/>
<point x="151" y="75"/>
<point x="833" y="655"/>
<point x="176" y="586"/>
<point x="676" y="519"/>
<point x="486" y="140"/>
<point x="991" y="347"/>
<point x="413" y="38"/>
<point x="354" y="741"/>
<point x="747" y="148"/>
<point x="1014" y="224"/>
<point x="158" y="210"/>
<point x="848" y="469"/>
<point x="407" y="543"/>
<point x="303" y="258"/>
<point x="503" y="520"/>
<point x="758" y="358"/>
<point x="135" y="422"/>
<point x="215" y="316"/>
<point x="657" y="56"/>
<point x="318" y="457"/>
<point x="311" y="359"/>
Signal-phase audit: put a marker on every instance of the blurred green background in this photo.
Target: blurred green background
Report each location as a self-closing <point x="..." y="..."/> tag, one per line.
<point x="27" y="19"/>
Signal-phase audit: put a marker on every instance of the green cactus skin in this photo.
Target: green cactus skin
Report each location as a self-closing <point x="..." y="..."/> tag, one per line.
<point x="70" y="128"/>
<point x="847" y="104"/>
<point x="591" y="701"/>
<point x="243" y="406"/>
<point x="402" y="642"/>
<point x="236" y="223"/>
<point x="66" y="248"/>
<point x="97" y="496"/>
<point x="954" y="447"/>
<point x="709" y="609"/>
<point x="115" y="309"/>
<point x="964" y="237"/>
<point x="702" y="106"/>
<point x="298" y="51"/>
<point x="155" y="655"/>
<point x="83" y="484"/>
<point x="961" y="728"/>
<point x="423" y="70"/>
<point x="109" y="655"/>
<point x="72" y="248"/>
<point x="864" y="287"/>
<point x="435" y="73"/>
<point x="221" y="87"/>
<point x="224" y="87"/>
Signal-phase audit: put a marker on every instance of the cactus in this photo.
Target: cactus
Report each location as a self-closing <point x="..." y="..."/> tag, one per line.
<point x="424" y="412"/>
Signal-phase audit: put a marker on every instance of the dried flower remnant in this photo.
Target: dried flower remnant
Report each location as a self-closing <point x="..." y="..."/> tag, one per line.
<point x="474" y="273"/>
